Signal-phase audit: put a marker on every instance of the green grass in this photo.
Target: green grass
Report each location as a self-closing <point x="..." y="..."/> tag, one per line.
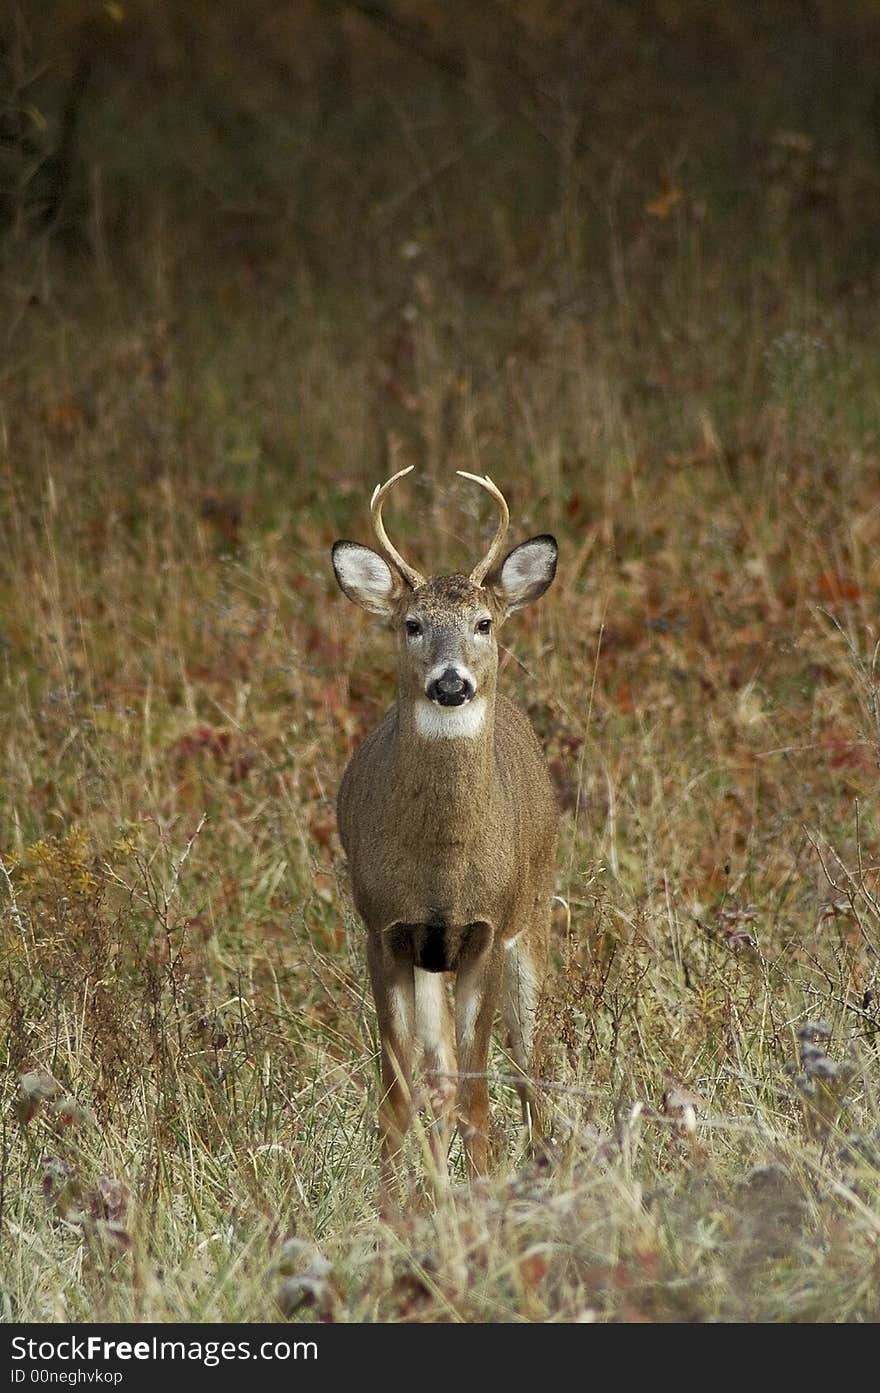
<point x="189" y="1072"/>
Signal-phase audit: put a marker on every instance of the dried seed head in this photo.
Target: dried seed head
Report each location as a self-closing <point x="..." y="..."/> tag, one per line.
<point x="814" y="1030"/>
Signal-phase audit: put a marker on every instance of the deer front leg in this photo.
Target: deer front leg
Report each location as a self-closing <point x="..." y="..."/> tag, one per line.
<point x="476" y="996"/>
<point x="391" y="977"/>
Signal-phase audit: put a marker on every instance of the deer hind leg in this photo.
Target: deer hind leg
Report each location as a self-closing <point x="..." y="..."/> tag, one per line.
<point x="476" y="996"/>
<point x="525" y="963"/>
<point x="435" y="1030"/>
<point x="391" y="977"/>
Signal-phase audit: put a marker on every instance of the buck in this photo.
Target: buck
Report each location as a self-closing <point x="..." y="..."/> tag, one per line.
<point x="449" y="822"/>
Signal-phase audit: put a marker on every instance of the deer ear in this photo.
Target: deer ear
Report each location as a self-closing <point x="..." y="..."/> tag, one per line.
<point x="366" y="578"/>
<point x="525" y="573"/>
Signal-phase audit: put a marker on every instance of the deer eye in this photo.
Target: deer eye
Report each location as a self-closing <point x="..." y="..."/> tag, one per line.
<point x="484" y="626"/>
<point x="413" y="628"/>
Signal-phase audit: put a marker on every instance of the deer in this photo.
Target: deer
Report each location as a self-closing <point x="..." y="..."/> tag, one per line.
<point x="448" y="820"/>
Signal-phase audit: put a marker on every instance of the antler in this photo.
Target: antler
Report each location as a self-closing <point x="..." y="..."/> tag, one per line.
<point x="380" y="493"/>
<point x="480" y="571"/>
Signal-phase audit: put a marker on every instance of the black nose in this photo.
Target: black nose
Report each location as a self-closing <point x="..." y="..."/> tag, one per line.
<point x="450" y="688"/>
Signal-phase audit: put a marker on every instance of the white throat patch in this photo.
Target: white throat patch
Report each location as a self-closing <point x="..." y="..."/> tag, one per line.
<point x="434" y="722"/>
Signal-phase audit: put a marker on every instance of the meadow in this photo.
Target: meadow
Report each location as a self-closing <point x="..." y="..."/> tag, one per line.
<point x="681" y="381"/>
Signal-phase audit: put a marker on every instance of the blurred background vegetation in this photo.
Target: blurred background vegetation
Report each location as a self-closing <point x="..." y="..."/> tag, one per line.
<point x="665" y="176"/>
<point x="308" y="136"/>
<point x="299" y="146"/>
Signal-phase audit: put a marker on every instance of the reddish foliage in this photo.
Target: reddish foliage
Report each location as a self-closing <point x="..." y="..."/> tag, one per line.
<point x="834" y="587"/>
<point x="532" y="1269"/>
<point x="843" y="752"/>
<point x="226" y="748"/>
<point x="66" y="417"/>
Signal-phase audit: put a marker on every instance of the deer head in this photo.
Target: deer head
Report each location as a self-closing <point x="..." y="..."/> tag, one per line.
<point x="446" y="626"/>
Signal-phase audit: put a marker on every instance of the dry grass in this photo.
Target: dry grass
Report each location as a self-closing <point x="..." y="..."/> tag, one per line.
<point x="189" y="1053"/>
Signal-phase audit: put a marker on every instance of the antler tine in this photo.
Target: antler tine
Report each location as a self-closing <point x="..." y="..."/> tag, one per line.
<point x="480" y="571"/>
<point x="380" y="493"/>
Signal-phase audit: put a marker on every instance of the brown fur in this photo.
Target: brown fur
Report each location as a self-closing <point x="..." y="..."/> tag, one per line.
<point x="451" y="846"/>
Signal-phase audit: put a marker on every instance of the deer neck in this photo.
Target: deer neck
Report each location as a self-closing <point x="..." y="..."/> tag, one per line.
<point x="445" y="762"/>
